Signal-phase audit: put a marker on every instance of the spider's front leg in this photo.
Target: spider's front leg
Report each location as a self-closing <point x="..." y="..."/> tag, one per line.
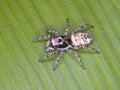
<point x="83" y="27"/>
<point x="48" y="48"/>
<point x="57" y="60"/>
<point x="48" y="55"/>
<point x="53" y="31"/>
<point x="47" y="36"/>
<point x="67" y="27"/>
<point x="77" y="57"/>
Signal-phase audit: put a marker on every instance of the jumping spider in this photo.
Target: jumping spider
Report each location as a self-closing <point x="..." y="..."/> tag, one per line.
<point x="60" y="43"/>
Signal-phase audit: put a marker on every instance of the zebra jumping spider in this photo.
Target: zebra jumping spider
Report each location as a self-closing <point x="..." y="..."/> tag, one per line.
<point x="60" y="43"/>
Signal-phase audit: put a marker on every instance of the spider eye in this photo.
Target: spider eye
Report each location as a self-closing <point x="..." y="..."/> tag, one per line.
<point x="60" y="40"/>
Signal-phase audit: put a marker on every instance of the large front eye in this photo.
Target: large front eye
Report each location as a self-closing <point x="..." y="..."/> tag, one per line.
<point x="60" y="40"/>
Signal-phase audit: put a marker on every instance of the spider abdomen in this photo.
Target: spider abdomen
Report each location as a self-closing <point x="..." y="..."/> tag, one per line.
<point x="79" y="39"/>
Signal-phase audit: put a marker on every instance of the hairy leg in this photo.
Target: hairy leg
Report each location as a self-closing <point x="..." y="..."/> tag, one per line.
<point x="77" y="57"/>
<point x="54" y="32"/>
<point x="47" y="36"/>
<point x="67" y="27"/>
<point x="91" y="49"/>
<point x="57" y="60"/>
<point x="84" y="27"/>
<point x="48" y="55"/>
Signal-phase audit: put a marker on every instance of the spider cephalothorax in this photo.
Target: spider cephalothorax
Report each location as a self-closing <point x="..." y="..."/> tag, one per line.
<point x="60" y="43"/>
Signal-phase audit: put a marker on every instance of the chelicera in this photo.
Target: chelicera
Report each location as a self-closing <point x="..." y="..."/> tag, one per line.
<point x="66" y="43"/>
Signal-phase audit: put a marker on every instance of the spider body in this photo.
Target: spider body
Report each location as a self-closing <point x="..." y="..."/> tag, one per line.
<point x="60" y="43"/>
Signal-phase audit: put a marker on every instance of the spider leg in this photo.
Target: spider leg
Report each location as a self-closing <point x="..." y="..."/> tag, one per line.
<point x="77" y="56"/>
<point x="48" y="44"/>
<point x="48" y="55"/>
<point x="67" y="27"/>
<point x="49" y="49"/>
<point x="47" y="36"/>
<point x="57" y="60"/>
<point x="91" y="49"/>
<point x="54" y="32"/>
<point x="83" y="27"/>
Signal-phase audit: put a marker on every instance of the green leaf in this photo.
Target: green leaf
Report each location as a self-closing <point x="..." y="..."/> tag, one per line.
<point x="23" y="20"/>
